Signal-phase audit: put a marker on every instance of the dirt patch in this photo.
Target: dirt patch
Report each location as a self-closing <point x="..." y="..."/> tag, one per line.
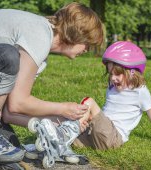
<point x="36" y="165"/>
<point x="60" y="166"/>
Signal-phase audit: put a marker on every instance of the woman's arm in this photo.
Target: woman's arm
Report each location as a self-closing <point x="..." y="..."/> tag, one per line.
<point x="21" y="101"/>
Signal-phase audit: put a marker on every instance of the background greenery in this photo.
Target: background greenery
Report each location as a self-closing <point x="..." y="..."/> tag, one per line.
<point x="71" y="80"/>
<point x="123" y="19"/>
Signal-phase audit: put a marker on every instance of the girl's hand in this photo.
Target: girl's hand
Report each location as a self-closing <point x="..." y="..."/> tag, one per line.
<point x="74" y="111"/>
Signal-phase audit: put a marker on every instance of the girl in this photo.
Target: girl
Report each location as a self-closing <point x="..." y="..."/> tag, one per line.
<point x="127" y="97"/>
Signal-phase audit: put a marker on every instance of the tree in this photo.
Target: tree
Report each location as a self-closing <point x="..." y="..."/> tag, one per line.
<point x="144" y="26"/>
<point x="99" y="7"/>
<point x="26" y="5"/>
<point x="48" y="7"/>
<point x="122" y="18"/>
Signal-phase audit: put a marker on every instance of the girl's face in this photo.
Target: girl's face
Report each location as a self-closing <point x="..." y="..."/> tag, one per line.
<point x="117" y="80"/>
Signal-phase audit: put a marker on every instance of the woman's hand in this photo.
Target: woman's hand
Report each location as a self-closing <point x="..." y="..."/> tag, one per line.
<point x="74" y="111"/>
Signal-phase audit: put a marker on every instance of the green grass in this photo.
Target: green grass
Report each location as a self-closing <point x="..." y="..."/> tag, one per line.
<point x="71" y="80"/>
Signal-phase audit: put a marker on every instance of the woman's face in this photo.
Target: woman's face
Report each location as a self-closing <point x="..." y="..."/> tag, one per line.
<point x="117" y="80"/>
<point x="74" y="50"/>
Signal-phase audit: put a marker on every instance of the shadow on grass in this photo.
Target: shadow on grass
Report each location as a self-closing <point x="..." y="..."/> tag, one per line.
<point x="30" y="139"/>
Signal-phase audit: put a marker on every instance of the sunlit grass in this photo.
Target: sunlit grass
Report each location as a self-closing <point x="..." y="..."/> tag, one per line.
<point x="71" y="80"/>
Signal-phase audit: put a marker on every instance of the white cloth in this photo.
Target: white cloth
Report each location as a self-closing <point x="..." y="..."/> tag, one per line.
<point x="125" y="108"/>
<point x="30" y="31"/>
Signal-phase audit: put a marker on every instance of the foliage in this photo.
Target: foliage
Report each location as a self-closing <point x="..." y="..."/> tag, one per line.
<point x="44" y="7"/>
<point x="48" y="7"/>
<point x="124" y="18"/>
<point x="147" y="52"/>
<point x="82" y="77"/>
<point x="26" y="5"/>
<point x="145" y="13"/>
<point x="99" y="7"/>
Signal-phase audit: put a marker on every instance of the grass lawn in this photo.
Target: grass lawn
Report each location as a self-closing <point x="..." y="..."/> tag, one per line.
<point x="71" y="80"/>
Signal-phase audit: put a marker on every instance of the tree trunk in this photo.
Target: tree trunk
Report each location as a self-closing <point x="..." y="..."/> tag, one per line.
<point x="99" y="7"/>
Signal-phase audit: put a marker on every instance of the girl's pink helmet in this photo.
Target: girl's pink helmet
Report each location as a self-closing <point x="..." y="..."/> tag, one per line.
<point x="126" y="54"/>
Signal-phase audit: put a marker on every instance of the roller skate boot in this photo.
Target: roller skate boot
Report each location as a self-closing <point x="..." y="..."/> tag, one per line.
<point x="56" y="141"/>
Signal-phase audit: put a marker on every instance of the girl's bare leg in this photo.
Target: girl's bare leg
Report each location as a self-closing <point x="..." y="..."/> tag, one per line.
<point x="93" y="110"/>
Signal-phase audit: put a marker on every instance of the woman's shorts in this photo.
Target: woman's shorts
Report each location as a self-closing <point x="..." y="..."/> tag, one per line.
<point x="9" y="67"/>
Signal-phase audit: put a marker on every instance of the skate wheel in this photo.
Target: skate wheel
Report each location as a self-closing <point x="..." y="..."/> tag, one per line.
<point x="46" y="163"/>
<point x="72" y="159"/>
<point x="38" y="145"/>
<point x="32" y="124"/>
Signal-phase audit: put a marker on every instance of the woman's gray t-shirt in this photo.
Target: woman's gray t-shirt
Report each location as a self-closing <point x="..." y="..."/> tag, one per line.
<point x="30" y="31"/>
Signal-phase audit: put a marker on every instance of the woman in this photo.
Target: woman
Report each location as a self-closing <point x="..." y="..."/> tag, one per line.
<point x="68" y="32"/>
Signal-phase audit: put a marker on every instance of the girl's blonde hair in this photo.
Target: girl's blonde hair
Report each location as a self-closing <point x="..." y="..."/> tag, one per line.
<point x="132" y="77"/>
<point x="77" y="24"/>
